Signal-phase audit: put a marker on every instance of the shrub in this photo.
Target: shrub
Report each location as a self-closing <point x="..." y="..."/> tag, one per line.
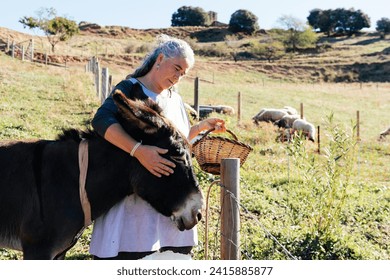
<point x="212" y="50"/>
<point x="383" y="26"/>
<point x="190" y="16"/>
<point x="326" y="180"/>
<point x="243" y="21"/>
<point x="268" y="51"/>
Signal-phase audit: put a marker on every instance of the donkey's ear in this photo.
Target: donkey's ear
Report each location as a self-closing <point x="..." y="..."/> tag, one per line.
<point x="138" y="113"/>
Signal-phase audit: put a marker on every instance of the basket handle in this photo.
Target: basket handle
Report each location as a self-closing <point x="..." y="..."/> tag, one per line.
<point x="212" y="129"/>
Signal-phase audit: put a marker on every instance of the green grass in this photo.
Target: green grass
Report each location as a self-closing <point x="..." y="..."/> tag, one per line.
<point x="292" y="198"/>
<point x="38" y="101"/>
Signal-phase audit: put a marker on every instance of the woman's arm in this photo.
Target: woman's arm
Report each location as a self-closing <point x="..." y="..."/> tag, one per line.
<point x="207" y="124"/>
<point x="116" y="135"/>
<point x="148" y="156"/>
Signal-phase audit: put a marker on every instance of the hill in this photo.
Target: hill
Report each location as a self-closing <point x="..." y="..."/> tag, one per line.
<point x="301" y="195"/>
<point x="362" y="58"/>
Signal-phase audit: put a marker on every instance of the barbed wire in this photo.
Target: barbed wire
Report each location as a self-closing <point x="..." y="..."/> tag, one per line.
<point x="259" y="223"/>
<point x="247" y="212"/>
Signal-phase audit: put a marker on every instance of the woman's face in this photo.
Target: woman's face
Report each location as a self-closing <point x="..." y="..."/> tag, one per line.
<point x="171" y="70"/>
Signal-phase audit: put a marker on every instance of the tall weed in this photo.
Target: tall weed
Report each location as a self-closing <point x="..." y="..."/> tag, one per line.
<point x="326" y="179"/>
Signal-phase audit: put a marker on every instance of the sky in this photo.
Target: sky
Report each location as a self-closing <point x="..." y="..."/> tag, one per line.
<point x="144" y="14"/>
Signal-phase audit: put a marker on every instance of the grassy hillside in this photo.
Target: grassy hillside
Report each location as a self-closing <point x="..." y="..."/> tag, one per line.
<point x="35" y="99"/>
<point x="332" y="205"/>
<point x="360" y="58"/>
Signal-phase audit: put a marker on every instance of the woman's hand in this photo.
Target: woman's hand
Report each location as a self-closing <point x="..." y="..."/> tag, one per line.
<point x="149" y="157"/>
<point x="216" y="123"/>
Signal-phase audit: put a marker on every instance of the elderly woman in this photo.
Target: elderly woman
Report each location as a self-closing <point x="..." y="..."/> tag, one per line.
<point x="132" y="229"/>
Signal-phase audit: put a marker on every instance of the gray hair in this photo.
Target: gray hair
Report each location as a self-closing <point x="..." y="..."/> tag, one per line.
<point x="171" y="48"/>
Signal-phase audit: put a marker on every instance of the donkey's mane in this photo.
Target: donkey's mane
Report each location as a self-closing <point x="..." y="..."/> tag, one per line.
<point x="76" y="134"/>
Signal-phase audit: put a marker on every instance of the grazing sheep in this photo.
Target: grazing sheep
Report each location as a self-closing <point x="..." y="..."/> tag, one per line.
<point x="287" y="121"/>
<point x="384" y="133"/>
<point x="259" y="113"/>
<point x="220" y="109"/>
<point x="224" y="109"/>
<point x="306" y="128"/>
<point x="290" y="110"/>
<point x="269" y="115"/>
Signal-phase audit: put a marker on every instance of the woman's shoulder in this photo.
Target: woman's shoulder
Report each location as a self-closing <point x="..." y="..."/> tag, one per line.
<point x="126" y="83"/>
<point x="130" y="90"/>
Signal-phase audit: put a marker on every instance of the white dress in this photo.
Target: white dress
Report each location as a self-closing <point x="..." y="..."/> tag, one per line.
<point x="132" y="225"/>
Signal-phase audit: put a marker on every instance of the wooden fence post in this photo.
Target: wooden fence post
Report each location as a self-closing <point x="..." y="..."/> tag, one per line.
<point x="239" y="108"/>
<point x="13" y="50"/>
<point x="97" y="78"/>
<point x="230" y="214"/>
<point x="196" y="95"/>
<point x="32" y="50"/>
<point x="357" y="125"/>
<point x="301" y="110"/>
<point x="91" y="63"/>
<point x="319" y="139"/>
<point x="23" y="52"/>
<point x="110" y="87"/>
<point x="94" y="61"/>
<point x="105" y="84"/>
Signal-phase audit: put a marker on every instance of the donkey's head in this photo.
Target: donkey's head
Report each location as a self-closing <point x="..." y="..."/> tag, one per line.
<point x="178" y="195"/>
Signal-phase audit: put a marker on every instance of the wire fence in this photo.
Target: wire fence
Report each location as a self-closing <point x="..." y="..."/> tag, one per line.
<point x="101" y="77"/>
<point x="244" y="213"/>
<point x="25" y="51"/>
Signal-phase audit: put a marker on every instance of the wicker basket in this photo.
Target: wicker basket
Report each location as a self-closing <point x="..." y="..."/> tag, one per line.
<point x="210" y="150"/>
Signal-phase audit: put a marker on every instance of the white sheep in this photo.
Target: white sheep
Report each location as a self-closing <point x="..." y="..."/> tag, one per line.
<point x="306" y="127"/>
<point x="287" y="121"/>
<point x="290" y="110"/>
<point x="224" y="109"/>
<point x="269" y="115"/>
<point x="384" y="133"/>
